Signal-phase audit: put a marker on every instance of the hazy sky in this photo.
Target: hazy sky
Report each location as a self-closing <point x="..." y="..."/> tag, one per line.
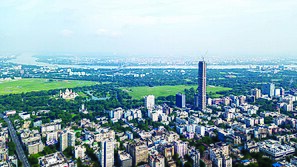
<point x="150" y="27"/>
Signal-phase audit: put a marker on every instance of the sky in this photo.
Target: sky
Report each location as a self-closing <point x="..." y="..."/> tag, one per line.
<point x="222" y="28"/>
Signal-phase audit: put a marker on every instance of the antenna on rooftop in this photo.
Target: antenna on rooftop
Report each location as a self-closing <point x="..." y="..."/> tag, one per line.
<point x="203" y="59"/>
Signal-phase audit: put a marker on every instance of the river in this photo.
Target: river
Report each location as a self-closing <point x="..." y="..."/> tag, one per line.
<point x="28" y="59"/>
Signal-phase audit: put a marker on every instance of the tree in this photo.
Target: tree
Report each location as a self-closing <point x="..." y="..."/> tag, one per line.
<point x="33" y="159"/>
<point x="68" y="152"/>
<point x="188" y="164"/>
<point x="11" y="148"/>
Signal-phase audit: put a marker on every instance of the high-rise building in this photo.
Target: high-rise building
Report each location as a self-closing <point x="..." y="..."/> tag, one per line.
<point x="196" y="103"/>
<point x="124" y="159"/>
<point x="180" y="100"/>
<point x="268" y="89"/>
<point x="282" y="91"/>
<point x="277" y="92"/>
<point x="202" y="85"/>
<point x="157" y="160"/>
<point x="139" y="152"/>
<point x="67" y="139"/>
<point x="181" y="148"/>
<point x="149" y="101"/>
<point x="200" y="130"/>
<point x="256" y="93"/>
<point x="106" y="153"/>
<point x="195" y="156"/>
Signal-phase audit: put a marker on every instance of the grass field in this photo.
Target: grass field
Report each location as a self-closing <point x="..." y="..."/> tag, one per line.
<point x="29" y="85"/>
<point x="140" y="92"/>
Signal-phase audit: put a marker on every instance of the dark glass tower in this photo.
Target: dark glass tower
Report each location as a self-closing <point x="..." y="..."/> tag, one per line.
<point x="180" y="100"/>
<point x="201" y="85"/>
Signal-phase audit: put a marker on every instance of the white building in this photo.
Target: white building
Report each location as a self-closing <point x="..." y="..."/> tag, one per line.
<point x="275" y="150"/>
<point x="24" y="115"/>
<point x="68" y="94"/>
<point x="79" y="152"/>
<point x="67" y="139"/>
<point x="106" y="153"/>
<point x="56" y="159"/>
<point x="116" y="113"/>
<point x="49" y="127"/>
<point x="149" y="101"/>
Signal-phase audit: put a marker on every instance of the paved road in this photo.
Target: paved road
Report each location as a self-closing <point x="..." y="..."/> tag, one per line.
<point x="19" y="149"/>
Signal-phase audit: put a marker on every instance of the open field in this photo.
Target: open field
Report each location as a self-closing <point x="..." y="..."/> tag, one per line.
<point x="32" y="84"/>
<point x="140" y="92"/>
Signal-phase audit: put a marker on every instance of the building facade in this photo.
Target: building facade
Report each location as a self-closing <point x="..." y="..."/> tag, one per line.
<point x="106" y="153"/>
<point x="202" y="85"/>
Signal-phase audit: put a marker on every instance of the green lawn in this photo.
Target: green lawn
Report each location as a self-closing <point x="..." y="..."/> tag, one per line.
<point x="29" y="85"/>
<point x="140" y="92"/>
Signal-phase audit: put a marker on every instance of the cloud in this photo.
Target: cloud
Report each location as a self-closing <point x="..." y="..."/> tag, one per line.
<point x="67" y="33"/>
<point x="107" y="32"/>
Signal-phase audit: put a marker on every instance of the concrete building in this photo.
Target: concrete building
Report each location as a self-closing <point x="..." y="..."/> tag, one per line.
<point x="67" y="139"/>
<point x="49" y="127"/>
<point x="275" y="150"/>
<point x="219" y="155"/>
<point x="24" y="115"/>
<point x="256" y="93"/>
<point x="251" y="146"/>
<point x="33" y="145"/>
<point x="149" y="101"/>
<point x="195" y="156"/>
<point x="106" y="153"/>
<point x="202" y="85"/>
<point x="51" y="137"/>
<point x="124" y="159"/>
<point x="200" y="130"/>
<point x="139" y="151"/>
<point x="157" y="160"/>
<point x="37" y="123"/>
<point x="56" y="159"/>
<point x="268" y="89"/>
<point x="79" y="152"/>
<point x="3" y="154"/>
<point x="181" y="148"/>
<point x="129" y="135"/>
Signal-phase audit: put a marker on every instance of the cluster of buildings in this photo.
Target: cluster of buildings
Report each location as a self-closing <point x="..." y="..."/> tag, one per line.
<point x="6" y="158"/>
<point x="120" y="113"/>
<point x="233" y="121"/>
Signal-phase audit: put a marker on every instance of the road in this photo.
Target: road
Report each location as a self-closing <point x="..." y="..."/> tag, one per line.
<point x="19" y="149"/>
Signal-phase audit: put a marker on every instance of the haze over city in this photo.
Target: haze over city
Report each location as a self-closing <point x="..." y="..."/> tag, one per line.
<point x="148" y="83"/>
<point x="223" y="28"/>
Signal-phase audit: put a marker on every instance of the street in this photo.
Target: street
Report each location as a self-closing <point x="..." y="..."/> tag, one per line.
<point x="19" y="149"/>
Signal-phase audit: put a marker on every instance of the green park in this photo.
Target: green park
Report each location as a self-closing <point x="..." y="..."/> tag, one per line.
<point x="32" y="84"/>
<point x="140" y="92"/>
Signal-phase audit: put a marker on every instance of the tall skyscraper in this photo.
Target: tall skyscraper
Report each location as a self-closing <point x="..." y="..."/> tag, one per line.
<point x="149" y="101"/>
<point x="201" y="85"/>
<point x="106" y="153"/>
<point x="268" y="89"/>
<point x="180" y="100"/>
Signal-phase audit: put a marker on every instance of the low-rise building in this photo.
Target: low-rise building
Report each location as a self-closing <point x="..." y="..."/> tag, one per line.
<point x="275" y="150"/>
<point x="56" y="159"/>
